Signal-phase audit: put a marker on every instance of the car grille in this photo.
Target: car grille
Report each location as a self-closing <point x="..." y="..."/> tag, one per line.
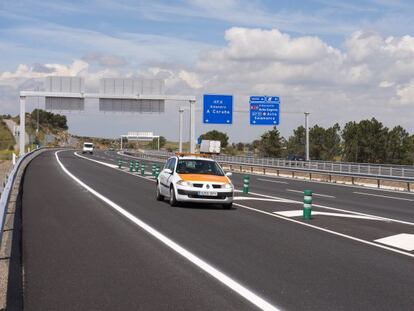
<point x="195" y="195"/>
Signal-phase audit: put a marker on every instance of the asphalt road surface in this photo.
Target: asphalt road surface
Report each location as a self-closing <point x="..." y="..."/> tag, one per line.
<point x="95" y="238"/>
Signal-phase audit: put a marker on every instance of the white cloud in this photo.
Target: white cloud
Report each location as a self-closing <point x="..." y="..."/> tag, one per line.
<point x="406" y="93"/>
<point x="372" y="76"/>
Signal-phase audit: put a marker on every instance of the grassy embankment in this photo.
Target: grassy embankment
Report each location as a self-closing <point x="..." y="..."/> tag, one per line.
<point x="7" y="141"/>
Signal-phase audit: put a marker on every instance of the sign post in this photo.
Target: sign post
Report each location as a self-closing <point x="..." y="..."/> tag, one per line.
<point x="264" y="110"/>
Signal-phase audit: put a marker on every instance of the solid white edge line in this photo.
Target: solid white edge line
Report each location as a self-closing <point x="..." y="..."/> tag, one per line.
<point x="325" y="230"/>
<point x="218" y="275"/>
<point x="383" y="196"/>
<point x="96" y="161"/>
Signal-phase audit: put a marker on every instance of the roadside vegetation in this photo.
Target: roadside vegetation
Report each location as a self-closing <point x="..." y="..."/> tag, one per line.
<point x="367" y="141"/>
<point x="7" y="141"/>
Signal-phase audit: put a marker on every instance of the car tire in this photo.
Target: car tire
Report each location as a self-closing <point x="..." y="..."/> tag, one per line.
<point x="159" y="197"/>
<point x="228" y="205"/>
<point x="173" y="199"/>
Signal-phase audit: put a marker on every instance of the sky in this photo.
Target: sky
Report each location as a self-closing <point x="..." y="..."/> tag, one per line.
<point x="339" y="60"/>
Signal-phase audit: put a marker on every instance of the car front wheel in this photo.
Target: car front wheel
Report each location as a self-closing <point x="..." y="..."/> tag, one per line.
<point x="228" y="205"/>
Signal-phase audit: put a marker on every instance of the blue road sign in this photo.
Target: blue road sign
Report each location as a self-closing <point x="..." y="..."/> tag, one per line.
<point x="264" y="110"/>
<point x="218" y="109"/>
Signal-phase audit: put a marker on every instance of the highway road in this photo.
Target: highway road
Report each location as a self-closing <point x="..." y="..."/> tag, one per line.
<point x="95" y="238"/>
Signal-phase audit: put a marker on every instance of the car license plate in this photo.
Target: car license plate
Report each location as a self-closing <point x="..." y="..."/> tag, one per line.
<point x="207" y="193"/>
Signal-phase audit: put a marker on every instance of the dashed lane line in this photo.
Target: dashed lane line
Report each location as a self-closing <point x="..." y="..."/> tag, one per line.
<point x="383" y="196"/>
<point x="273" y="181"/>
<point x="314" y="194"/>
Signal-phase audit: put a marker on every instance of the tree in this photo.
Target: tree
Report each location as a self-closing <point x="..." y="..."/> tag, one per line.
<point x="154" y="143"/>
<point x="296" y="143"/>
<point x="271" y="143"/>
<point x="397" y="145"/>
<point x="240" y="146"/>
<point x="324" y="143"/>
<point x="216" y="135"/>
<point x="48" y="119"/>
<point x="365" y="141"/>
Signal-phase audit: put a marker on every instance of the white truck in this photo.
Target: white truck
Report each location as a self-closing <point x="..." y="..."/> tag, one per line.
<point x="210" y="146"/>
<point x="87" y="148"/>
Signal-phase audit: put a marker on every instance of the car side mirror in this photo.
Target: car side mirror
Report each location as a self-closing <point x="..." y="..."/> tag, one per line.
<point x="229" y="174"/>
<point x="168" y="171"/>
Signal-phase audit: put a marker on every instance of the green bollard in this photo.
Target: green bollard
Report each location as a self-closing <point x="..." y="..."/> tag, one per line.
<point x="246" y="183"/>
<point x="153" y="169"/>
<point x="157" y="171"/>
<point x="307" y="205"/>
<point x="119" y="163"/>
<point x="131" y="166"/>
<point x="137" y="166"/>
<point x="142" y="169"/>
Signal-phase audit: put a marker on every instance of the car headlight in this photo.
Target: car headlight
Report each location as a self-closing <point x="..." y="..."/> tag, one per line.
<point x="184" y="183"/>
<point x="228" y="186"/>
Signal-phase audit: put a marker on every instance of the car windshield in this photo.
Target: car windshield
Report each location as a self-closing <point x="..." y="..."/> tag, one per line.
<point x="88" y="145"/>
<point x="199" y="167"/>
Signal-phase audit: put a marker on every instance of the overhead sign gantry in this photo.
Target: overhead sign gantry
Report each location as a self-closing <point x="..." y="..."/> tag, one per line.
<point x="115" y="95"/>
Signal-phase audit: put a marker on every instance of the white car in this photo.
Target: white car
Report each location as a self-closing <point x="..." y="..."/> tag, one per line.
<point x="87" y="148"/>
<point x="193" y="178"/>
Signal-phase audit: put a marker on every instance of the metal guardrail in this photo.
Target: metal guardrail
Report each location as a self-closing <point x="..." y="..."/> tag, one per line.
<point x="6" y="191"/>
<point x="397" y="172"/>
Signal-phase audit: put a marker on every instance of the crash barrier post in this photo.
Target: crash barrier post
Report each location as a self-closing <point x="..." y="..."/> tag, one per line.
<point x="307" y="204"/>
<point x="246" y="183"/>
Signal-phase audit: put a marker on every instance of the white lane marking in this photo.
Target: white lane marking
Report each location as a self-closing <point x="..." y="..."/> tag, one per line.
<point x="315" y="194"/>
<point x="403" y="241"/>
<point x="217" y="274"/>
<point x="383" y="196"/>
<point x="325" y="230"/>
<point x="126" y="171"/>
<point x="273" y="181"/>
<point x="335" y="209"/>
<point x="260" y="199"/>
<point x="296" y="213"/>
<point x="269" y="196"/>
<point x="99" y="162"/>
<point x="312" y="226"/>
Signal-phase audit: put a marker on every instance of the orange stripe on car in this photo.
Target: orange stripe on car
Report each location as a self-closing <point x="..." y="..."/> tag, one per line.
<point x="204" y="178"/>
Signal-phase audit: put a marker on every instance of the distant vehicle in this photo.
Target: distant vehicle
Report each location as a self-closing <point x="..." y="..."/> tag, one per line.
<point x="111" y="149"/>
<point x="87" y="148"/>
<point x="210" y="146"/>
<point x="194" y="178"/>
<point x="292" y="157"/>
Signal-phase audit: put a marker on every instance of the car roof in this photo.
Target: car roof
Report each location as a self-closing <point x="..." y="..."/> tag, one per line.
<point x="192" y="157"/>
